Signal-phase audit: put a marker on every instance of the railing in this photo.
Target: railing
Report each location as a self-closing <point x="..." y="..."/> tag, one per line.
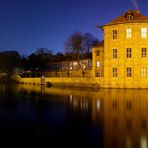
<point x="71" y="73"/>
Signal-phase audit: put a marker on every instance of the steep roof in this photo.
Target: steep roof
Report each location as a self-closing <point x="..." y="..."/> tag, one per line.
<point x="100" y="44"/>
<point x="128" y="17"/>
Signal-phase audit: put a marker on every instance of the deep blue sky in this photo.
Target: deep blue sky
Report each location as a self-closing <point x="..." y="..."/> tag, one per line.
<point x="26" y="25"/>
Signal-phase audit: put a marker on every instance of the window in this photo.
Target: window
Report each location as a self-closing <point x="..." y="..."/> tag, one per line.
<point x="98" y="64"/>
<point x="129" y="17"/>
<point x="143" y="55"/>
<point x="143" y="72"/>
<point x="98" y="53"/>
<point x="129" y="72"/>
<point x="114" y="53"/>
<point x="114" y="34"/>
<point x="128" y="53"/>
<point x="128" y="33"/>
<point x="143" y="32"/>
<point x="98" y="74"/>
<point x="114" y="72"/>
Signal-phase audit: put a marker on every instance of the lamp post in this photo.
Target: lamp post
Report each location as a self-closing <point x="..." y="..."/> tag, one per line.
<point x="36" y="71"/>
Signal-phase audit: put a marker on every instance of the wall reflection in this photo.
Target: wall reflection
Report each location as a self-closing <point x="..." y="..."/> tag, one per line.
<point x="123" y="114"/>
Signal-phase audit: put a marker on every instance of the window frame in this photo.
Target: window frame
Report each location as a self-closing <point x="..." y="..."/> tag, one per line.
<point x="143" y="32"/>
<point x="128" y="52"/>
<point x="114" y="34"/>
<point x="114" y="53"/>
<point x="143" y="72"/>
<point x="98" y="64"/>
<point x="114" y="72"/>
<point x="129" y="72"/>
<point x="98" y="53"/>
<point x="129" y="33"/>
<point x="143" y="52"/>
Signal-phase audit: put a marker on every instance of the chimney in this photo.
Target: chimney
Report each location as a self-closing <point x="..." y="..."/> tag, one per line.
<point x="138" y="11"/>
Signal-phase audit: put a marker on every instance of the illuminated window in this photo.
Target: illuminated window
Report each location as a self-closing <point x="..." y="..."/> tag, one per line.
<point x="114" y="53"/>
<point x="98" y="53"/>
<point x="143" y="55"/>
<point x="128" y="33"/>
<point x="143" y="32"/>
<point x="129" y="72"/>
<point x="114" y="34"/>
<point x="114" y="72"/>
<point x="98" y="64"/>
<point x="143" y="72"/>
<point x="128" y="52"/>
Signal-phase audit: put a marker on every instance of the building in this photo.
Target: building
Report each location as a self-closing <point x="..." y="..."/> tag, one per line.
<point x="82" y="64"/>
<point x="122" y="59"/>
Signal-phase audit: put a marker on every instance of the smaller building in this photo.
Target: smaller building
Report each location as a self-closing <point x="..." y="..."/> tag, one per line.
<point x="83" y="64"/>
<point x="98" y="60"/>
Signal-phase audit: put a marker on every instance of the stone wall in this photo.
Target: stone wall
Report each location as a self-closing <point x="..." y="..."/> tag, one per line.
<point x="64" y="81"/>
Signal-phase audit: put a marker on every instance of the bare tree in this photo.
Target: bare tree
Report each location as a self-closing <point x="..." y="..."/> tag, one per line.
<point x="73" y="45"/>
<point x="43" y="51"/>
<point x="88" y="42"/>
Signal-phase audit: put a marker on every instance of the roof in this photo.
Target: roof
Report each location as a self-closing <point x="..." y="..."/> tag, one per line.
<point x="100" y="44"/>
<point x="136" y="16"/>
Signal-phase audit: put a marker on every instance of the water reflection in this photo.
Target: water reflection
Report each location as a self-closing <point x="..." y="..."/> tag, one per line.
<point x="106" y="118"/>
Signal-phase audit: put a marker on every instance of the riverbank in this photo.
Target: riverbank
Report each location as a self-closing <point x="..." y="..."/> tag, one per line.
<point x="61" y="81"/>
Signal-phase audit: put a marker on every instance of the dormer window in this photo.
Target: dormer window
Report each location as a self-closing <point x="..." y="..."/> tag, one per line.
<point x="129" y="17"/>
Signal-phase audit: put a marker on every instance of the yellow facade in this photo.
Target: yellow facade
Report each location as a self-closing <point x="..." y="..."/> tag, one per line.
<point x="98" y="61"/>
<point x="129" y="68"/>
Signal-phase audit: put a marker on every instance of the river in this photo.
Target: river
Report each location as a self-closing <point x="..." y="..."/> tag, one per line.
<point x="53" y="116"/>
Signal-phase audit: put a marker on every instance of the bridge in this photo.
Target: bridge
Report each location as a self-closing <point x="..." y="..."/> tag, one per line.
<point x="5" y="77"/>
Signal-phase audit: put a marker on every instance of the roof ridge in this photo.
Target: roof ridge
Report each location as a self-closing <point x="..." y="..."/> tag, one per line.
<point x="129" y="17"/>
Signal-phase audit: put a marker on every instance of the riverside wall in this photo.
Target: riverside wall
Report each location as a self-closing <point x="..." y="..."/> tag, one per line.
<point x="61" y="81"/>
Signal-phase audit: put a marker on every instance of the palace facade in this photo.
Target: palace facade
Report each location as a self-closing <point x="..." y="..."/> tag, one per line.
<point x="121" y="60"/>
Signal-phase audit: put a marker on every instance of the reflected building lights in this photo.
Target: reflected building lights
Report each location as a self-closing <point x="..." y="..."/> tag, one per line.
<point x="98" y="105"/>
<point x="71" y="98"/>
<point x="128" y="142"/>
<point x="75" y="103"/>
<point x="143" y="142"/>
<point x="121" y="114"/>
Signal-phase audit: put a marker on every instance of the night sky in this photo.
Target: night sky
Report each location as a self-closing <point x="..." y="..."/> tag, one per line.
<point x="26" y="25"/>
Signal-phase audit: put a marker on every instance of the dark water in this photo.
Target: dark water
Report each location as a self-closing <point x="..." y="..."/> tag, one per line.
<point x="36" y="115"/>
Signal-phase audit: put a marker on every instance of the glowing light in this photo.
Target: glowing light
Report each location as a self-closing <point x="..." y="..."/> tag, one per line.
<point x="143" y="32"/>
<point x="143" y="142"/>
